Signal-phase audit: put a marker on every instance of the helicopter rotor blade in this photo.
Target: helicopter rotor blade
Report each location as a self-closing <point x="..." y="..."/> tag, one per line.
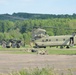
<point x="54" y="27"/>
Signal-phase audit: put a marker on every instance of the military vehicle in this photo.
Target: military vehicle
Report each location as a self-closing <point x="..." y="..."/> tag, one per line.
<point x="11" y="43"/>
<point x="42" y="40"/>
<point x="3" y="43"/>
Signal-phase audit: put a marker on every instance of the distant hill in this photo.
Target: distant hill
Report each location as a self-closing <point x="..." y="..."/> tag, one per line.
<point x="24" y="16"/>
<point x="10" y="17"/>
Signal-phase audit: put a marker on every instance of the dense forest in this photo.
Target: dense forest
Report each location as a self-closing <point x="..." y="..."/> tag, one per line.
<point x="20" y="25"/>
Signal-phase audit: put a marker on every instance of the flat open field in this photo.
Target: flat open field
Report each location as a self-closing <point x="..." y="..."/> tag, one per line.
<point x="62" y="64"/>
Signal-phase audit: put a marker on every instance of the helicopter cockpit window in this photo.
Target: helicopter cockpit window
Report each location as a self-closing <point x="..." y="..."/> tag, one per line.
<point x="45" y="33"/>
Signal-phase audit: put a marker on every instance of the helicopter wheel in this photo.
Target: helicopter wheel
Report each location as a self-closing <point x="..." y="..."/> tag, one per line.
<point x="61" y="47"/>
<point x="44" y="46"/>
<point x="35" y="47"/>
<point x="67" y="47"/>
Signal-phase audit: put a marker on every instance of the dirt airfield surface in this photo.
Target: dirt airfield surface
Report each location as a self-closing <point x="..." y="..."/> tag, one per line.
<point x="15" y="62"/>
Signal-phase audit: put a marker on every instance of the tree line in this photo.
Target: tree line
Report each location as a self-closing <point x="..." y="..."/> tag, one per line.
<point x="25" y="16"/>
<point x="22" y="29"/>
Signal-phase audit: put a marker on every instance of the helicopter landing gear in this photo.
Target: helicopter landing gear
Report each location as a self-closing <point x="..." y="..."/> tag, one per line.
<point x="61" y="47"/>
<point x="67" y="47"/>
<point x="44" y="46"/>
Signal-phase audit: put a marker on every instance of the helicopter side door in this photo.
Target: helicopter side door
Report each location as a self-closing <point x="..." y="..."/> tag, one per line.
<point x="71" y="41"/>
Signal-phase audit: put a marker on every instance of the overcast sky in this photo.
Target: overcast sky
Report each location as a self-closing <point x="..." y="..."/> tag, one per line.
<point x="38" y="6"/>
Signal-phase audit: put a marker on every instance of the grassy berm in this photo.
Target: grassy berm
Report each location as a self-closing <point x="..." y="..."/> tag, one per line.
<point x="37" y="71"/>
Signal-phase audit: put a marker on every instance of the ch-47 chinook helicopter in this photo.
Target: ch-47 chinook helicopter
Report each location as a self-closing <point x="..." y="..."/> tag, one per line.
<point x="42" y="40"/>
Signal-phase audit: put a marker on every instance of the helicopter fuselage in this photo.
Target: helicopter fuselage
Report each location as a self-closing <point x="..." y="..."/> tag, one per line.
<point x="60" y="40"/>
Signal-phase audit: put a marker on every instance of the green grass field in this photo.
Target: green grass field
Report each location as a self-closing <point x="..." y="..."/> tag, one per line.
<point x="62" y="52"/>
<point x="51" y="51"/>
